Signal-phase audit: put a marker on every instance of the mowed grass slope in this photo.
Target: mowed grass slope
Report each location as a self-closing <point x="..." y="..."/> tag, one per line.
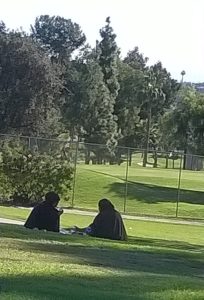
<point x="150" y="266"/>
<point x="149" y="191"/>
<point x="191" y="234"/>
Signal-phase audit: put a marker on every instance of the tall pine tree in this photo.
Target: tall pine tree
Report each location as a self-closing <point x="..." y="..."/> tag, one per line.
<point x="107" y="52"/>
<point x="108" y="59"/>
<point x="99" y="122"/>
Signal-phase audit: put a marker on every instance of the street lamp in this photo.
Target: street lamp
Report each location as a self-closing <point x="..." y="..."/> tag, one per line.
<point x="183" y="73"/>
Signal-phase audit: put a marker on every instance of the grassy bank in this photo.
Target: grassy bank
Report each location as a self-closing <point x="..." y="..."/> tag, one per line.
<point x="37" y="265"/>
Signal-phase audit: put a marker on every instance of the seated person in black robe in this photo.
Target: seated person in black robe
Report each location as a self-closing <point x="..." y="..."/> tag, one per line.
<point x="107" y="224"/>
<point x="45" y="215"/>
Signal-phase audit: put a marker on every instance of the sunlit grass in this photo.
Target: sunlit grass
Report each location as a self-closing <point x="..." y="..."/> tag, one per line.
<point x="149" y="191"/>
<point x="38" y="265"/>
<point x="141" y="229"/>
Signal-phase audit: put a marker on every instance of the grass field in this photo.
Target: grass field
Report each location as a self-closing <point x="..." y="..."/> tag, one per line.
<point x="147" y="229"/>
<point x="149" y="191"/>
<point x="160" y="261"/>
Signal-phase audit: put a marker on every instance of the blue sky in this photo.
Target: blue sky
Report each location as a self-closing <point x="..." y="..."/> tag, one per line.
<point x="171" y="31"/>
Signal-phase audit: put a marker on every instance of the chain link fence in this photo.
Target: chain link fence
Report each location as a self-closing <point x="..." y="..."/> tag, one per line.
<point x="170" y="185"/>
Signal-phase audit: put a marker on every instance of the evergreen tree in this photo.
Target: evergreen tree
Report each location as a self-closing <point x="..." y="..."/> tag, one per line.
<point x="92" y="109"/>
<point x="29" y="86"/>
<point x="107" y="56"/>
<point x="182" y="124"/>
<point x="108" y="59"/>
<point x="128" y="103"/>
<point x="99" y="122"/>
<point x="136" y="60"/>
<point x="60" y="37"/>
<point x="3" y="28"/>
<point x="57" y="35"/>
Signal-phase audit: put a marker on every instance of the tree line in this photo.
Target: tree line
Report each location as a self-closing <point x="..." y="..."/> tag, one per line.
<point x="52" y="81"/>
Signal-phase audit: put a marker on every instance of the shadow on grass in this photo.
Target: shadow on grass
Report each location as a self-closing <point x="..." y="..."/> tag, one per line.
<point x="20" y="232"/>
<point x="79" y="268"/>
<point x="153" y="194"/>
<point x="59" y="287"/>
<point x="93" y="287"/>
<point x="137" y="286"/>
<point x="142" y="255"/>
<point x="140" y="261"/>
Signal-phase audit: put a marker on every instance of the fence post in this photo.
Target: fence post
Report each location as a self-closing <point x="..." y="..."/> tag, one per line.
<point x="126" y="180"/>
<point x="74" y="178"/>
<point x="179" y="187"/>
<point x="29" y="143"/>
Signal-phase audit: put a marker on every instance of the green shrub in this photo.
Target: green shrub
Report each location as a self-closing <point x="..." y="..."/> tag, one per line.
<point x="30" y="174"/>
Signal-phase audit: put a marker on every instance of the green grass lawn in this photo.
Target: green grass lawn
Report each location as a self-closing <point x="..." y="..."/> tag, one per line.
<point x="148" y="229"/>
<point x="149" y="191"/>
<point x="160" y="261"/>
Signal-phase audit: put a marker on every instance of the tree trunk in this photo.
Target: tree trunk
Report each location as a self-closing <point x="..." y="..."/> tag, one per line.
<point x="87" y="157"/>
<point x="145" y="157"/>
<point x="185" y="151"/>
<point x="184" y="159"/>
<point x="130" y="159"/>
<point x="167" y="162"/>
<point x="118" y="158"/>
<point x="99" y="158"/>
<point x="155" y="159"/>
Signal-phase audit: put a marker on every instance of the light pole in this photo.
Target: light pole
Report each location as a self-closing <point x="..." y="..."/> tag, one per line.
<point x="183" y="73"/>
<point x="182" y="158"/>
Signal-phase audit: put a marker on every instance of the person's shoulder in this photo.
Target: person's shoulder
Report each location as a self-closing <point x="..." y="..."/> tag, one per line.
<point x="118" y="214"/>
<point x="35" y="209"/>
<point x="36" y="206"/>
<point x="43" y="204"/>
<point x="39" y="206"/>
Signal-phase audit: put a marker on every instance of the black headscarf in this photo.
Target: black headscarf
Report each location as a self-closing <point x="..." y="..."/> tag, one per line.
<point x="108" y="223"/>
<point x="52" y="198"/>
<point x="45" y="215"/>
<point x="105" y="204"/>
